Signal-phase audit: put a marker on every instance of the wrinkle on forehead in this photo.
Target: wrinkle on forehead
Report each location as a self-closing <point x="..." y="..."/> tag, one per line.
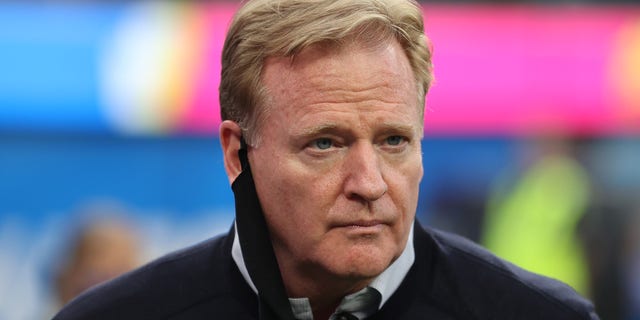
<point x="306" y="75"/>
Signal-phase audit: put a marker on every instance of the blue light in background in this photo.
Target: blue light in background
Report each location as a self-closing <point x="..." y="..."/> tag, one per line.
<point x="49" y="56"/>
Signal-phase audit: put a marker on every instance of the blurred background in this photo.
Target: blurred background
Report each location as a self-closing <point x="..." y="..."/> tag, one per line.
<point x="109" y="154"/>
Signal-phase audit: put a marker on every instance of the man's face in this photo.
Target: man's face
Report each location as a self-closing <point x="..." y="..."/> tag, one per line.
<point x="339" y="162"/>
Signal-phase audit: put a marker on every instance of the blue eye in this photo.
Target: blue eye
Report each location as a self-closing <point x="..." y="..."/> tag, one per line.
<point x="394" y="140"/>
<point x="323" y="143"/>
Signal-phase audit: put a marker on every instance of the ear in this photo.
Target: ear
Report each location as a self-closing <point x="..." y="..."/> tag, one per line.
<point x="230" y="135"/>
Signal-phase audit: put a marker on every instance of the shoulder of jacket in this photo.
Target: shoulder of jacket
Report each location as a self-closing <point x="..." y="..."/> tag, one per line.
<point x="164" y="285"/>
<point x="493" y="287"/>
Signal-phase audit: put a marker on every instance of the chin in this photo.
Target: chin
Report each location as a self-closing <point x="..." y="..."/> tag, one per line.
<point x="363" y="262"/>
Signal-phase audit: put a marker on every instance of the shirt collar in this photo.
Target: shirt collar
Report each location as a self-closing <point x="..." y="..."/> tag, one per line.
<point x="386" y="283"/>
<point x="390" y="279"/>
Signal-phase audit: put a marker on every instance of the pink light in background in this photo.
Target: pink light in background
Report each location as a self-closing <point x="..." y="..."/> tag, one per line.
<point x="204" y="112"/>
<point x="499" y="69"/>
<point x="522" y="68"/>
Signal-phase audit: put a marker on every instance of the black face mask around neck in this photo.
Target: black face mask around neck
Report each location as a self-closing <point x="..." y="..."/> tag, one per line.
<point x="257" y="250"/>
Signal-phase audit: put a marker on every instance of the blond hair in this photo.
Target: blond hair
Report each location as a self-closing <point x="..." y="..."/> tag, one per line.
<point x="283" y="28"/>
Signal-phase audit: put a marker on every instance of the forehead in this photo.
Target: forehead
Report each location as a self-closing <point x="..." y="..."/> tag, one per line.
<point x="347" y="72"/>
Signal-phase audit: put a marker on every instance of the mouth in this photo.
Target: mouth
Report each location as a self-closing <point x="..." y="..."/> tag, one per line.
<point x="361" y="226"/>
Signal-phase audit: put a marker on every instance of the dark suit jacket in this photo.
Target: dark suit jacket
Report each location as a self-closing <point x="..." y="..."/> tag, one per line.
<point x="452" y="278"/>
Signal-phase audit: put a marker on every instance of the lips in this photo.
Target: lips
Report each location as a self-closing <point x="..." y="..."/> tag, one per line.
<point x="359" y="224"/>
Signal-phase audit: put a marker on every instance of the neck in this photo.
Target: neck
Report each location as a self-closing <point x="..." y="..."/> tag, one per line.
<point x="324" y="291"/>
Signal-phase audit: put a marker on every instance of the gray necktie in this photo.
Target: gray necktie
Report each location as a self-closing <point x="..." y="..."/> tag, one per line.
<point x="359" y="305"/>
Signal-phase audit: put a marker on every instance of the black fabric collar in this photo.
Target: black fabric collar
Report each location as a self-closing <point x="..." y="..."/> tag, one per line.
<point x="257" y="249"/>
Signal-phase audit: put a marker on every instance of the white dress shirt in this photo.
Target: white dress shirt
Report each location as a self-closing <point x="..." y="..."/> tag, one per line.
<point x="385" y="284"/>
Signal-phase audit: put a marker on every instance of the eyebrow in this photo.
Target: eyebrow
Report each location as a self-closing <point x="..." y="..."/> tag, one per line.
<point x="386" y="128"/>
<point x="319" y="129"/>
<point x="394" y="127"/>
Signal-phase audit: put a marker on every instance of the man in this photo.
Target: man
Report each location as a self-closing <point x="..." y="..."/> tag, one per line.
<point x="323" y="102"/>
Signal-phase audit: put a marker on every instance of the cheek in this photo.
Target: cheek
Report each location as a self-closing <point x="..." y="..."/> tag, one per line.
<point x="404" y="190"/>
<point x="406" y="178"/>
<point x="415" y="172"/>
<point x="293" y="200"/>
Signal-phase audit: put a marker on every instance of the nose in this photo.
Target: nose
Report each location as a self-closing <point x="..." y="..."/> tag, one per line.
<point x="364" y="178"/>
